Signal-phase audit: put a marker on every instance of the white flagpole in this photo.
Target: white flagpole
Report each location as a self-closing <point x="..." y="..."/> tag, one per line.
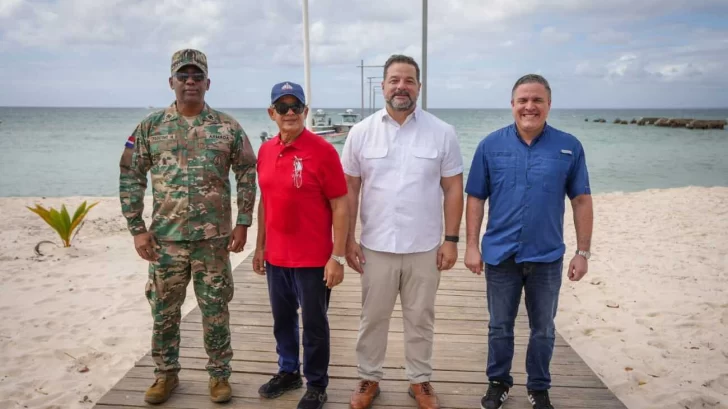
<point x="306" y="63"/>
<point x="424" y="55"/>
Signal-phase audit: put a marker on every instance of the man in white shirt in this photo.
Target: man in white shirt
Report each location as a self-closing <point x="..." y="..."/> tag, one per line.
<point x="406" y="163"/>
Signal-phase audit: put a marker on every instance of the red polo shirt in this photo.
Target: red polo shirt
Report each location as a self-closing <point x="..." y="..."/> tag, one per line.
<point x="296" y="183"/>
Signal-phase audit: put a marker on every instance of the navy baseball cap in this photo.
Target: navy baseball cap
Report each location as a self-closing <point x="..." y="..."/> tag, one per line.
<point x="287" y="88"/>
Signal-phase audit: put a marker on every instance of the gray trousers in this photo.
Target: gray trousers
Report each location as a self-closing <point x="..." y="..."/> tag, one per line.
<point x="416" y="279"/>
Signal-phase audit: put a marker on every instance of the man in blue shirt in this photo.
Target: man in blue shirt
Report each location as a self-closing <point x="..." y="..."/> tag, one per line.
<point x="526" y="170"/>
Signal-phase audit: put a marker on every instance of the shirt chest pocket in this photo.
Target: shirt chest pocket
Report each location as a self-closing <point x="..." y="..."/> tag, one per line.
<point x="554" y="169"/>
<point x="375" y="159"/>
<point x="502" y="169"/>
<point x="217" y="152"/>
<point x="164" y="151"/>
<point x="424" y="160"/>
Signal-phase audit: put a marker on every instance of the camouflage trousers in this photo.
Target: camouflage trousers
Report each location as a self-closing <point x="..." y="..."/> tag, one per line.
<point x="207" y="264"/>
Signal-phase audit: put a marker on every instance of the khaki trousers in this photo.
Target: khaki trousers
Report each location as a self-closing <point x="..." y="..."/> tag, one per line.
<point x="416" y="279"/>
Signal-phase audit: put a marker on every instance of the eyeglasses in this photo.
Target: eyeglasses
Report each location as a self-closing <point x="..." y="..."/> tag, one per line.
<point x="282" y="108"/>
<point x="184" y="76"/>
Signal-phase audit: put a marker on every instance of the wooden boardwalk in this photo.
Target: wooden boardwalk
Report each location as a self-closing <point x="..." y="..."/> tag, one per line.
<point x="460" y="352"/>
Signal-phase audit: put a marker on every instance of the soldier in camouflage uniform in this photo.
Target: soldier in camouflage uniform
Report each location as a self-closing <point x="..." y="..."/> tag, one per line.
<point x="190" y="149"/>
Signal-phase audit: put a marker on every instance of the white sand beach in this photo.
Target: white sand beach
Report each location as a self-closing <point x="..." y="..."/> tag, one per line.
<point x="650" y="318"/>
<point x="72" y="309"/>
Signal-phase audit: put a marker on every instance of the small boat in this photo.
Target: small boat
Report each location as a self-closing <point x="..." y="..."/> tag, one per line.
<point x="332" y="135"/>
<point x="324" y="127"/>
<point x="334" y="132"/>
<point x="349" y="119"/>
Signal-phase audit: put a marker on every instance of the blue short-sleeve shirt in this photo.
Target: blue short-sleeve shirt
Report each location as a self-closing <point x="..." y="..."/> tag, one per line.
<point x="526" y="187"/>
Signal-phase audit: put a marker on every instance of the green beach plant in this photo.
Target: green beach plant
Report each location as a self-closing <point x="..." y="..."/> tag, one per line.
<point x="61" y="221"/>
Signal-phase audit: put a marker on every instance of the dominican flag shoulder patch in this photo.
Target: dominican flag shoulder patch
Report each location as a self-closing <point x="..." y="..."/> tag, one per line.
<point x="130" y="142"/>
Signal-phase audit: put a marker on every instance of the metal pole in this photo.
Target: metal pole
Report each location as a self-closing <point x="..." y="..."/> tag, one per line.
<point x="362" y="66"/>
<point x="373" y="96"/>
<point x="370" y="95"/>
<point x="424" y="54"/>
<point x="306" y="63"/>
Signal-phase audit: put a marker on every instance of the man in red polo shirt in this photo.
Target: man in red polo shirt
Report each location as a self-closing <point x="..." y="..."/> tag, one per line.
<point x="302" y="195"/>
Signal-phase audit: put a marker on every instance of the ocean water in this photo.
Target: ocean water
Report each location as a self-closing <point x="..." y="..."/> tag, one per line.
<point x="76" y="151"/>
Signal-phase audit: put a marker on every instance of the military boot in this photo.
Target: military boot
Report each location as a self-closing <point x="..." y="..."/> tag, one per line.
<point x="161" y="389"/>
<point x="220" y="390"/>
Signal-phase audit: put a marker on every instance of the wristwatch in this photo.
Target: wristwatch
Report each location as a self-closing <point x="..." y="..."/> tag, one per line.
<point x="583" y="253"/>
<point x="339" y="259"/>
<point x="453" y="239"/>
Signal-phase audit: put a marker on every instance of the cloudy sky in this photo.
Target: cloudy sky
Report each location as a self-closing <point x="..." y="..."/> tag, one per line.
<point x="596" y="54"/>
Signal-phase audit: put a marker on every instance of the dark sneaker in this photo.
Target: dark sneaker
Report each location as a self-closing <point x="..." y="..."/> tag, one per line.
<point x="280" y="383"/>
<point x="495" y="396"/>
<point x="313" y="399"/>
<point x="540" y="399"/>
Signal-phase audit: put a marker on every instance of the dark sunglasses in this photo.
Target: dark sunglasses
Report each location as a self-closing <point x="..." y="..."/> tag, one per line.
<point x="184" y="76"/>
<point x="282" y="108"/>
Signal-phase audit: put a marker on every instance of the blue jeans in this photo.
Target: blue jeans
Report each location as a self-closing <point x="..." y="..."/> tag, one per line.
<point x="504" y="282"/>
<point x="288" y="288"/>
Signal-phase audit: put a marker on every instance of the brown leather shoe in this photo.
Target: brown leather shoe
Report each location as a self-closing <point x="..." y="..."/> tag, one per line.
<point x="425" y="395"/>
<point x="364" y="394"/>
<point x="220" y="390"/>
<point x="161" y="389"/>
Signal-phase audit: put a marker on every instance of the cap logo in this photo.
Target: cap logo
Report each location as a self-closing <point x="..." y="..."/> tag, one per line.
<point x="286" y="86"/>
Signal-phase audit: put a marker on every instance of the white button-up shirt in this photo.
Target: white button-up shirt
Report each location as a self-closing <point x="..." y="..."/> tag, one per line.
<point x="400" y="168"/>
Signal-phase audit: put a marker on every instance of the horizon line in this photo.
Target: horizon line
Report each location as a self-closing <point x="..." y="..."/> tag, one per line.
<point x="366" y="109"/>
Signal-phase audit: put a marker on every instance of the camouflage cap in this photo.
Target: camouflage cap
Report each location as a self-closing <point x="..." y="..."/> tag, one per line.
<point x="189" y="56"/>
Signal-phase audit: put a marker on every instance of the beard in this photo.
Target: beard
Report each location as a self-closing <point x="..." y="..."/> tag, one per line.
<point x="400" y="105"/>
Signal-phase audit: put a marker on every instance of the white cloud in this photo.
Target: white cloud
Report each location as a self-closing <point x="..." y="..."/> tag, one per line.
<point x="589" y="69"/>
<point x="116" y="23"/>
<point x="472" y="44"/>
<point x="623" y="65"/>
<point x="672" y="72"/>
<point x="8" y="7"/>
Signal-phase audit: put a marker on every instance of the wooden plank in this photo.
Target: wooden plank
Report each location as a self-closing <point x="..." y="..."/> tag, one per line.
<point x="465" y="314"/>
<point x="455" y="274"/>
<point x="351" y="323"/>
<point x="345" y="306"/>
<point x="475" y="301"/>
<point x="256" y="332"/>
<point x="393" y="370"/>
<point x="130" y="392"/>
<point x="181" y="400"/>
<point x="395" y="359"/>
<point x="352" y="285"/>
<point x="477" y="382"/>
<point x="343" y="346"/>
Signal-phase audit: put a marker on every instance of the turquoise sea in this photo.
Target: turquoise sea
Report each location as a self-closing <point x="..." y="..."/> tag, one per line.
<point x="76" y="151"/>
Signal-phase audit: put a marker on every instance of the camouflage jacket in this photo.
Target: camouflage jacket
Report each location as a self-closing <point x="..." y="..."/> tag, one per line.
<point x="190" y="167"/>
